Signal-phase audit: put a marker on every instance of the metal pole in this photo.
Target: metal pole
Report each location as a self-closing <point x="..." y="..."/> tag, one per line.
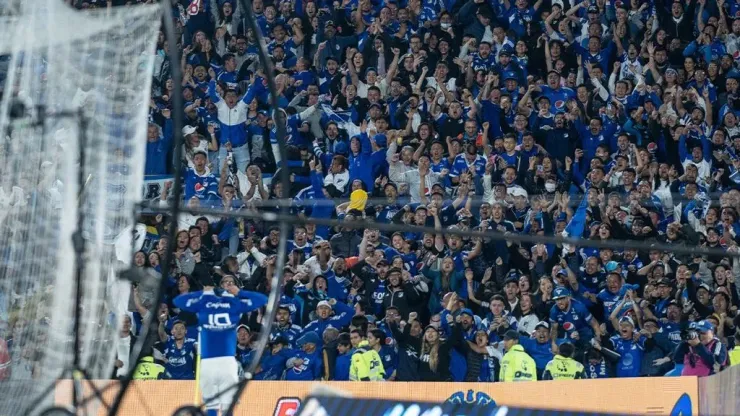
<point x="177" y="123"/>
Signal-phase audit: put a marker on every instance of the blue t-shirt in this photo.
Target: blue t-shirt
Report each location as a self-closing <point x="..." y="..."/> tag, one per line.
<point x="577" y="316"/>
<point x="631" y="355"/>
<point x="180" y="362"/>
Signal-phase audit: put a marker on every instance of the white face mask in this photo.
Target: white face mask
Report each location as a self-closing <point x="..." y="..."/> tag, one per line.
<point x="445" y="26"/>
<point x="550" y="187"/>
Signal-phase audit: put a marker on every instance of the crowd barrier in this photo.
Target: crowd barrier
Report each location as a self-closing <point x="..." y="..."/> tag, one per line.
<point x="654" y="396"/>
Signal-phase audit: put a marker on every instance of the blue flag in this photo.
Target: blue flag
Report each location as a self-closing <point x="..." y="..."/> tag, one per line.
<point x="578" y="221"/>
<point x="342" y="118"/>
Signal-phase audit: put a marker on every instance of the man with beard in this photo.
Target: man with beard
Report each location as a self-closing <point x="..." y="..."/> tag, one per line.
<point x="400" y="292"/>
<point x="284" y="328"/>
<point x="538" y="346"/>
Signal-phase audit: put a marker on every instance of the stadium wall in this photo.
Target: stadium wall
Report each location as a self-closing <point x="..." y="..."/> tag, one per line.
<point x="720" y="394"/>
<point x="653" y="396"/>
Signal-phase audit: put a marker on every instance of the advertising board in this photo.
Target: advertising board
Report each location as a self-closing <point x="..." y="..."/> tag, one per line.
<point x="655" y="396"/>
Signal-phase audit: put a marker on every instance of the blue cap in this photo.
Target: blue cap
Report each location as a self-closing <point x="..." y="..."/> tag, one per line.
<point x="341" y="148"/>
<point x="627" y="287"/>
<point x="510" y="75"/>
<point x="466" y="311"/>
<point x="562" y="217"/>
<point x="704" y="326"/>
<point x="308" y="338"/>
<point x="611" y="266"/>
<point x="513" y="276"/>
<point x="560" y="292"/>
<point x="381" y="140"/>
<point x="263" y="112"/>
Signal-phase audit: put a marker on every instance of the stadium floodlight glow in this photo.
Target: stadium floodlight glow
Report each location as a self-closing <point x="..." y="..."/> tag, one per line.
<point x="73" y="121"/>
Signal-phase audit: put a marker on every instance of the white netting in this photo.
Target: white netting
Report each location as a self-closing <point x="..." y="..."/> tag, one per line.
<point x="54" y="63"/>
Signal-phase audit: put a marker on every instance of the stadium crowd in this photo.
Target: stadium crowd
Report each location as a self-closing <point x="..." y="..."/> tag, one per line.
<point x="609" y="121"/>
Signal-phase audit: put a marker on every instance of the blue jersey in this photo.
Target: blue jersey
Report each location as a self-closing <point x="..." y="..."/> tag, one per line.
<point x="218" y="317"/>
<point x="599" y="370"/>
<point x="203" y="187"/>
<point x="577" y="317"/>
<point x="291" y="131"/>
<point x="483" y="63"/>
<point x="672" y="331"/>
<point x="180" y="362"/>
<point x="290" y="332"/>
<point x="631" y="355"/>
<point x="244" y="356"/>
<point x="309" y="370"/>
<point x="460" y="165"/>
<point x="558" y="97"/>
<point x="390" y="360"/>
<point x="341" y="368"/>
<point x="609" y="300"/>
<point x="306" y="247"/>
<point x="343" y="316"/>
<point x="228" y="78"/>
<point x="272" y="365"/>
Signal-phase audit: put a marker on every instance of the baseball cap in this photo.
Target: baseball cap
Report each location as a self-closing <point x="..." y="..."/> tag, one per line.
<point x="517" y="191"/>
<point x="560" y="292"/>
<point x="510" y="75"/>
<point x="511" y="335"/>
<point x="188" y="130"/>
<point x="280" y="340"/>
<point x="664" y="282"/>
<point x="324" y="303"/>
<point x="704" y="326"/>
<point x="611" y="266"/>
<point x="466" y="311"/>
<point x="243" y="326"/>
<point x="542" y="324"/>
<point x="627" y="319"/>
<point x="593" y="9"/>
<point x="308" y="338"/>
<point x="381" y="139"/>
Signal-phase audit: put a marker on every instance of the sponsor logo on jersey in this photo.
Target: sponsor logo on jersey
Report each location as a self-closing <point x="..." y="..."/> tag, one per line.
<point x="287" y="406"/>
<point x="218" y="305"/>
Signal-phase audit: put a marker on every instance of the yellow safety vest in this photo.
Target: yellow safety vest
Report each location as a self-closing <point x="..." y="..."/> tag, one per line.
<point x="147" y="369"/>
<point x="366" y="364"/>
<point x="563" y="368"/>
<point x="517" y="365"/>
<point x="735" y="356"/>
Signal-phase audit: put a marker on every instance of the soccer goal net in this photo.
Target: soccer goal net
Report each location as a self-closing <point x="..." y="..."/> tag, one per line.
<point x="75" y="94"/>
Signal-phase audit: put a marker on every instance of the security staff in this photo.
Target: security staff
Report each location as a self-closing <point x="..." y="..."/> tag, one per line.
<point x="517" y="365"/>
<point x="366" y="364"/>
<point x="147" y="369"/>
<point x="735" y="352"/>
<point x="563" y="366"/>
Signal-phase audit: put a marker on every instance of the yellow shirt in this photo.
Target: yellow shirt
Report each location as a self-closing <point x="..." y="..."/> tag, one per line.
<point x="147" y="369"/>
<point x="366" y="364"/>
<point x="517" y="365"/>
<point x="735" y="356"/>
<point x="563" y="368"/>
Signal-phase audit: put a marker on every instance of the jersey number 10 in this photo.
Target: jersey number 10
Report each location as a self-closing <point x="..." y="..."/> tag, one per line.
<point x="219" y="320"/>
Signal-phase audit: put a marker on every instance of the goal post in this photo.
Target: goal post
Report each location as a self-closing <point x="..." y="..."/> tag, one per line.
<point x="74" y="104"/>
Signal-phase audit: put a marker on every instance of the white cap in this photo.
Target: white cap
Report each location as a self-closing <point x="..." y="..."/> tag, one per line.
<point x="324" y="303"/>
<point x="188" y="130"/>
<point x="518" y="191"/>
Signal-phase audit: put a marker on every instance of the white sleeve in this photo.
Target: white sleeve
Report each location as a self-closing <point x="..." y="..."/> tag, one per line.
<point x="493" y="352"/>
